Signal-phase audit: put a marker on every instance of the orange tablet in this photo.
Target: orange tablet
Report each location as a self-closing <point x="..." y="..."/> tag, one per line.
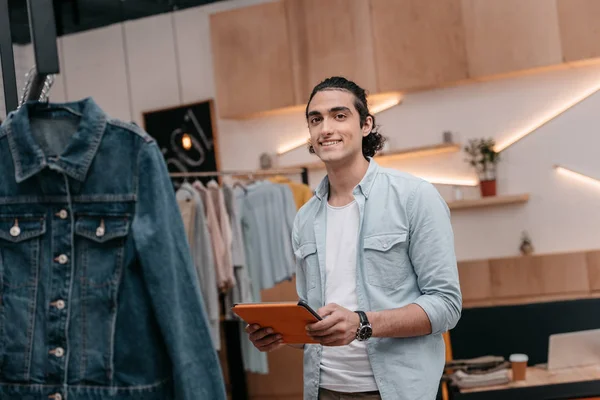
<point x="287" y="318"/>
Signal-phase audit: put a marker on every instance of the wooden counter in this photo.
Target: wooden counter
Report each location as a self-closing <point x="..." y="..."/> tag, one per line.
<point x="542" y="384"/>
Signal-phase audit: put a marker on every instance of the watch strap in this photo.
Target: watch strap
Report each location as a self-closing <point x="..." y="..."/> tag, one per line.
<point x="363" y="318"/>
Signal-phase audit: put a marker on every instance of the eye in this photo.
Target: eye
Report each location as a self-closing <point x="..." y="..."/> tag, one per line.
<point x="315" y="120"/>
<point x="340" y="116"/>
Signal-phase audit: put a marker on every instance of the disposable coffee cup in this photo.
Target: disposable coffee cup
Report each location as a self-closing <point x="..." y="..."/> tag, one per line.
<point x="519" y="366"/>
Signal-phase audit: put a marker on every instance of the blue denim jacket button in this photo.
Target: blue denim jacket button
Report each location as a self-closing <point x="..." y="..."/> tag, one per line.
<point x="15" y="231"/>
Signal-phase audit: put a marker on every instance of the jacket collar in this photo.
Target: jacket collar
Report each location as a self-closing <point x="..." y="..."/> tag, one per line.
<point x="364" y="185"/>
<point x="28" y="157"/>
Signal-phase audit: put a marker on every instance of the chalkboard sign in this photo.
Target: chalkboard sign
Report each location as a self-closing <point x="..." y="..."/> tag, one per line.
<point x="186" y="136"/>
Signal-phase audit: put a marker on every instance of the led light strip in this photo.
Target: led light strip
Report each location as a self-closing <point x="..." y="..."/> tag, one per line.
<point x="450" y="181"/>
<point x="544" y="120"/>
<point x="577" y="176"/>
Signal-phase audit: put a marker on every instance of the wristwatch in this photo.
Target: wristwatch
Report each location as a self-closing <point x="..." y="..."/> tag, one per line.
<point x="364" y="330"/>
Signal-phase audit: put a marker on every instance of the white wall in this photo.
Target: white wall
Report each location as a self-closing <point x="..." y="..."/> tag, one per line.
<point x="165" y="61"/>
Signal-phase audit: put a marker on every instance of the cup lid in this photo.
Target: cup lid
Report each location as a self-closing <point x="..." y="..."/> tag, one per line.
<point x="518" y="358"/>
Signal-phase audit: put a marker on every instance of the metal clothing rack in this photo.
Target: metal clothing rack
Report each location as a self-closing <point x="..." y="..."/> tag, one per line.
<point x="260" y="172"/>
<point x="42" y="27"/>
<point x="237" y="374"/>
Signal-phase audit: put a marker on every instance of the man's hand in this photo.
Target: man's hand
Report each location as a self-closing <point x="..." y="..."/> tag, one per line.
<point x="264" y="339"/>
<point x="338" y="327"/>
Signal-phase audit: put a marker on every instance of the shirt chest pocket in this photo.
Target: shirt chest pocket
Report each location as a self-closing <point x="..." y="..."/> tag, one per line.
<point x="100" y="245"/>
<point x="20" y="245"/>
<point x="386" y="259"/>
<point x="307" y="252"/>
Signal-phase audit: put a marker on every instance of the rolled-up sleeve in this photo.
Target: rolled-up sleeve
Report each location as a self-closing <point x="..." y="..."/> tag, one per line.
<point x="431" y="250"/>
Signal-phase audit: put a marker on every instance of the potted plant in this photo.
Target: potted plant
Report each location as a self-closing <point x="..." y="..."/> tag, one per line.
<point x="483" y="157"/>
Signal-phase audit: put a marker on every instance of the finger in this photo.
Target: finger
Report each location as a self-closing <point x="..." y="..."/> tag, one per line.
<point x="330" y="340"/>
<point x="327" y="310"/>
<point x="267" y="340"/>
<point x="272" y="346"/>
<point x="252" y="328"/>
<point x="261" y="333"/>
<point x="327" y="323"/>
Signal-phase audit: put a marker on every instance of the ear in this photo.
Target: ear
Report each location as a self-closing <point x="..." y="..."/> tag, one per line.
<point x="367" y="126"/>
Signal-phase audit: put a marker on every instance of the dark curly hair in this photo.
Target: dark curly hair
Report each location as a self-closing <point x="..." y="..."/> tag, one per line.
<point x="371" y="143"/>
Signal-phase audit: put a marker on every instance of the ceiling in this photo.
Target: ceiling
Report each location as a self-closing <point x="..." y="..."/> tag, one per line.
<point x="82" y="15"/>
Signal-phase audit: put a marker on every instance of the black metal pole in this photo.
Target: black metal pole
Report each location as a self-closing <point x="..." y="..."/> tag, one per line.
<point x="9" y="78"/>
<point x="43" y="36"/>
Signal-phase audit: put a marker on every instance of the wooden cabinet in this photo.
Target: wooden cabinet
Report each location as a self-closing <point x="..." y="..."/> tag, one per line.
<point x="418" y="43"/>
<point x="579" y="22"/>
<point x="330" y="38"/>
<point x="268" y="57"/>
<point x="251" y="60"/>
<point x="505" y="36"/>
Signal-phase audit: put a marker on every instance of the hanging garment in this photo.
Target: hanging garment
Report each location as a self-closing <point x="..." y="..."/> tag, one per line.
<point x="100" y="298"/>
<point x="218" y="200"/>
<point x="253" y="360"/>
<point x="302" y="193"/>
<point x="225" y="278"/>
<point x="267" y="220"/>
<point x="202" y="254"/>
<point x="242" y="293"/>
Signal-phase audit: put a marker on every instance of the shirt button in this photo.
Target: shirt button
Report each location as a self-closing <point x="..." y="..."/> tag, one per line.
<point x="63" y="259"/>
<point x="60" y="304"/>
<point x="385" y="245"/>
<point x="100" y="232"/>
<point x="63" y="214"/>
<point x="59" y="352"/>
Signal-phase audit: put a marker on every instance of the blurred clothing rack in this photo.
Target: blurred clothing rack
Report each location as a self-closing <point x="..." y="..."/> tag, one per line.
<point x="238" y="388"/>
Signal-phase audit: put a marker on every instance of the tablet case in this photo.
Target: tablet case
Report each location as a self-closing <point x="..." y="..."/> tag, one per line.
<point x="286" y="318"/>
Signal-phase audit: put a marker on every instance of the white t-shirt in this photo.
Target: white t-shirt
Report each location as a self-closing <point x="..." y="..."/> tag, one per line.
<point x="344" y="368"/>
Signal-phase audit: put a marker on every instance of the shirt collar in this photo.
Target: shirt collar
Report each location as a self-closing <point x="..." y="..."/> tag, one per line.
<point x="364" y="185"/>
<point x="28" y="157"/>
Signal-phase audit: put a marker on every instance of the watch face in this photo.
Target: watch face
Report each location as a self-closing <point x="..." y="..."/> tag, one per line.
<point x="365" y="332"/>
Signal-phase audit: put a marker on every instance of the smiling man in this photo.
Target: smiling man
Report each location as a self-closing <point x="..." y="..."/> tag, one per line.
<point x="375" y="256"/>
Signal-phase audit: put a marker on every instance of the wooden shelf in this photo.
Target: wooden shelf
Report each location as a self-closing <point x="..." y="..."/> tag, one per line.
<point x="488" y="201"/>
<point x="399" y="155"/>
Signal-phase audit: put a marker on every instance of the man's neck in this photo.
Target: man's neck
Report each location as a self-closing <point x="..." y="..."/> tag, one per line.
<point x="343" y="179"/>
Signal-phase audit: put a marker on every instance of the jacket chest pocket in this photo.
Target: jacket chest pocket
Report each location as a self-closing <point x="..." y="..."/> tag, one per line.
<point x="100" y="245"/>
<point x="20" y="245"/>
<point x="386" y="259"/>
<point x="310" y="263"/>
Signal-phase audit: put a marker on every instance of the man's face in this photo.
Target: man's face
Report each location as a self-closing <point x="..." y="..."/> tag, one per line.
<point x="334" y="126"/>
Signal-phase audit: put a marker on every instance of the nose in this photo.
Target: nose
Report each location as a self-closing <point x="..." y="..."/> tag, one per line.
<point x="326" y="127"/>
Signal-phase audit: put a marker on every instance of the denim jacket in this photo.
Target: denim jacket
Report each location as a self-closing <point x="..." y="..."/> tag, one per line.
<point x="99" y="293"/>
<point x="405" y="255"/>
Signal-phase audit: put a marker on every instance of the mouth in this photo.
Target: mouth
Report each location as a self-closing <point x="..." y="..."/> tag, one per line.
<point x="330" y="143"/>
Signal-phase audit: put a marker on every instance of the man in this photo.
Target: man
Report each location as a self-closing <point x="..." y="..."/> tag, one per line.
<point x="375" y="256"/>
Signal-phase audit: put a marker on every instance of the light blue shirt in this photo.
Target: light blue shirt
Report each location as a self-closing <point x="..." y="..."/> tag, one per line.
<point x="405" y="255"/>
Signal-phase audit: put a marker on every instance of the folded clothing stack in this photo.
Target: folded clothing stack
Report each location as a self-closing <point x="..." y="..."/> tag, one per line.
<point x="464" y="380"/>
<point x="477" y="365"/>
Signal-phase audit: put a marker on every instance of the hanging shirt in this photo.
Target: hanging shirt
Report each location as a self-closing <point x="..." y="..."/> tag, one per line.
<point x="202" y="253"/>
<point x="225" y="278"/>
<point x="220" y="208"/>
<point x="302" y="193"/>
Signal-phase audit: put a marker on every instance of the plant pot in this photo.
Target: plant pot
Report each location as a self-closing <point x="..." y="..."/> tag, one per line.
<point x="488" y="188"/>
